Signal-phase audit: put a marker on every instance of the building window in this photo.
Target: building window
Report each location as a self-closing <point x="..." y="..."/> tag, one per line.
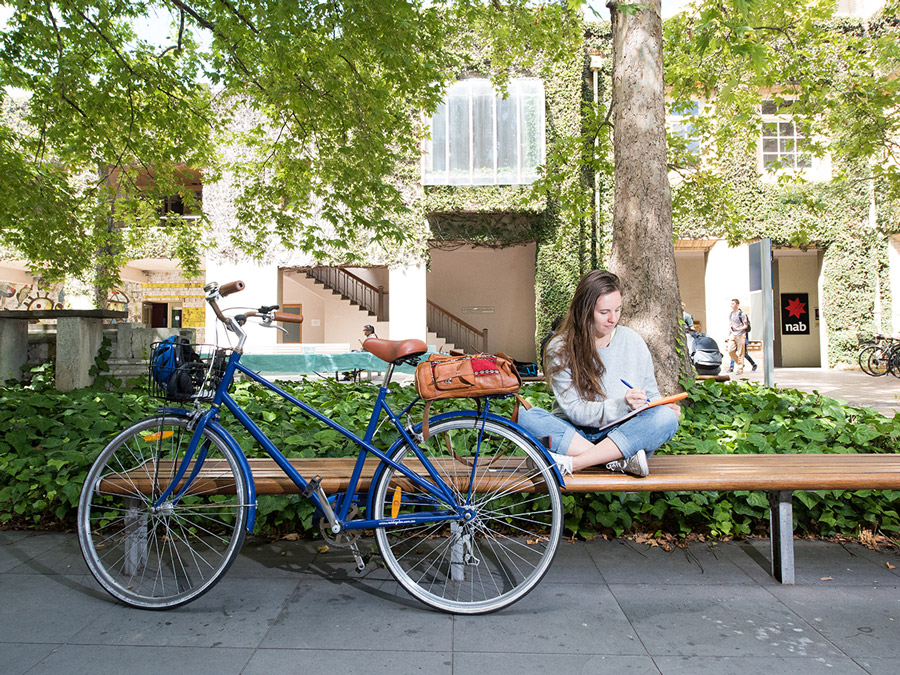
<point x="175" y="206"/>
<point x="782" y="142"/>
<point x="684" y="138"/>
<point x="479" y="138"/>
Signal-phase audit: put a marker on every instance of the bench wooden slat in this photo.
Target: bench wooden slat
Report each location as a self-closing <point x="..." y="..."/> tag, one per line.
<point x="749" y="472"/>
<point x="667" y="473"/>
<point x="334" y="471"/>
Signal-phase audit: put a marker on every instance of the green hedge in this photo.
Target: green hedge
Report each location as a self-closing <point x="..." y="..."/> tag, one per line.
<point x="48" y="440"/>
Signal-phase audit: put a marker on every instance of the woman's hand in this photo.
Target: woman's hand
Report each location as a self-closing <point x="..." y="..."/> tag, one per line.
<point x="675" y="407"/>
<point x="636" y="398"/>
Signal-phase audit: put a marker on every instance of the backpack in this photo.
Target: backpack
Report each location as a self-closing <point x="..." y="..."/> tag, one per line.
<point x="746" y="319"/>
<point x="704" y="353"/>
<point x="176" y="369"/>
<point x="526" y="369"/>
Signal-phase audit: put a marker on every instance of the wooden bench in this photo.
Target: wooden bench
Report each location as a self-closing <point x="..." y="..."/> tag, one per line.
<point x="722" y="377"/>
<point x="778" y="475"/>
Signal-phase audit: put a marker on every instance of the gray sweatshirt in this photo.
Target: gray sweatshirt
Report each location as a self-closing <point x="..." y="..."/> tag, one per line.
<point x="626" y="358"/>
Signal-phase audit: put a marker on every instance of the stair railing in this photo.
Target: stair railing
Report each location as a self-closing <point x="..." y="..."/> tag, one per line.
<point x="456" y="331"/>
<point x="351" y="287"/>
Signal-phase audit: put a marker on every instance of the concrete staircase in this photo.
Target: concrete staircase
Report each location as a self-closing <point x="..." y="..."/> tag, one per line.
<point x="439" y="344"/>
<point x="331" y="295"/>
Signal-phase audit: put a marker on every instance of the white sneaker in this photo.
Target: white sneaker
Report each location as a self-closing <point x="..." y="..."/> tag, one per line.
<point x="636" y="465"/>
<point x="564" y="462"/>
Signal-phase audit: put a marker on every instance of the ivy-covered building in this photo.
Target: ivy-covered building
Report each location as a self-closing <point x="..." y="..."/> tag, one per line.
<point x="505" y="218"/>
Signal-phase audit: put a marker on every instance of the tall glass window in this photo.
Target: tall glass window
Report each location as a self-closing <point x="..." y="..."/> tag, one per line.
<point x="479" y="138"/>
<point x="681" y="123"/>
<point x="782" y="141"/>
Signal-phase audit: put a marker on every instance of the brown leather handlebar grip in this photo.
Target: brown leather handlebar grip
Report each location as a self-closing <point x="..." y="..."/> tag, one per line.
<point x="232" y="287"/>
<point x="287" y="318"/>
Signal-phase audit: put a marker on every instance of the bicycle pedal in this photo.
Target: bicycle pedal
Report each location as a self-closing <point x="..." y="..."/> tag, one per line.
<point x="361" y="560"/>
<point x="312" y="487"/>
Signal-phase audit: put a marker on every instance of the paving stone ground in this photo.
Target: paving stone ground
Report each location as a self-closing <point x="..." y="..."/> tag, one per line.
<point x="605" y="606"/>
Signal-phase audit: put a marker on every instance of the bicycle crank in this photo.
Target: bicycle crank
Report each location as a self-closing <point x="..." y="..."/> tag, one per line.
<point x="344" y="538"/>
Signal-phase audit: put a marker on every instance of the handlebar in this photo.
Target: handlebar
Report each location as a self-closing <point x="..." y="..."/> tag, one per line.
<point x="287" y="318"/>
<point x="231" y="287"/>
<point x="234" y="324"/>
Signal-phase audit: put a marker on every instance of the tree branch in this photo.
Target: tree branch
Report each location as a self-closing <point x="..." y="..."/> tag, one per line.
<point x="777" y="29"/>
<point x="240" y="16"/>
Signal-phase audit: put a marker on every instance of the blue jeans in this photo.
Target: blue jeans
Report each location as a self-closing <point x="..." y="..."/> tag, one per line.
<point x="645" y="431"/>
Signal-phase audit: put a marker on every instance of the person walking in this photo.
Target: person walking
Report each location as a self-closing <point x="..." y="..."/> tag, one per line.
<point x="739" y="327"/>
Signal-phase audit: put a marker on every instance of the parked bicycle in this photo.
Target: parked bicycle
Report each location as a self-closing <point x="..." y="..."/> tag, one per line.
<point x="880" y="356"/>
<point x="467" y="521"/>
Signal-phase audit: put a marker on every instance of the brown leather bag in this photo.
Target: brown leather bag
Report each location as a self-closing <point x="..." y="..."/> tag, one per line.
<point x="466" y="376"/>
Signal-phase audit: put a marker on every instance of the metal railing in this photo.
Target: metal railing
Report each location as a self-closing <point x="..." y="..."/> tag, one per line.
<point x="456" y="331"/>
<point x="351" y="287"/>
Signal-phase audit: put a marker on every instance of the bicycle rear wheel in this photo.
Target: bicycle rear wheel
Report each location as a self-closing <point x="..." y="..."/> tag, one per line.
<point x="159" y="557"/>
<point x="514" y="512"/>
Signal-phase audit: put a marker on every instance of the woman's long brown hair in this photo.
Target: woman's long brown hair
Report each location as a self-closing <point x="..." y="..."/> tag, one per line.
<point x="577" y="352"/>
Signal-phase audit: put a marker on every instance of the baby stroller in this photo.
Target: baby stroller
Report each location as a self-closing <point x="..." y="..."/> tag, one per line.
<point x="704" y="352"/>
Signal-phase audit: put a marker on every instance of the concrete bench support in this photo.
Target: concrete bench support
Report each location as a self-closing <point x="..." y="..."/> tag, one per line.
<point x="13" y="349"/>
<point x="77" y="343"/>
<point x="781" y="535"/>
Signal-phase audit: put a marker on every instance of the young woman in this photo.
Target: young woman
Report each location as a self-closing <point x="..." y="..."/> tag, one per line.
<point x="588" y="364"/>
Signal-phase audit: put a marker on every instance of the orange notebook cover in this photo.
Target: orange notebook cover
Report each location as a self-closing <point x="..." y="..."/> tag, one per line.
<point x="674" y="398"/>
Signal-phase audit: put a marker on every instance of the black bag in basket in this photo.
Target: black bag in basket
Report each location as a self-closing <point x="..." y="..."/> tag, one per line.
<point x="177" y="369"/>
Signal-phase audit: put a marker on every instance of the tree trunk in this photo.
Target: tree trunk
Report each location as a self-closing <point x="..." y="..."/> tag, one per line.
<point x="104" y="271"/>
<point x="643" y="254"/>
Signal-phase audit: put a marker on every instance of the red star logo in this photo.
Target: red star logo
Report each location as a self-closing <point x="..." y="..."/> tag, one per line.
<point x="796" y="308"/>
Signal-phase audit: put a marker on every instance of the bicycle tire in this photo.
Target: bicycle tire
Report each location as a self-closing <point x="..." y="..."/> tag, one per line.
<point x="501" y="553"/>
<point x="863" y="358"/>
<point x="893" y="361"/>
<point x="879" y="359"/>
<point x="165" y="557"/>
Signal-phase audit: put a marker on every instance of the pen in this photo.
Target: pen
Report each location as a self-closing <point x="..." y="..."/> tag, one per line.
<point x="629" y="386"/>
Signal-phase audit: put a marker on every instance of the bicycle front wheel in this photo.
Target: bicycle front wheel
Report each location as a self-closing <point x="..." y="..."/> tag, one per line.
<point x="879" y="359"/>
<point x="159" y="556"/>
<point x="510" y="532"/>
<point x="864" y="354"/>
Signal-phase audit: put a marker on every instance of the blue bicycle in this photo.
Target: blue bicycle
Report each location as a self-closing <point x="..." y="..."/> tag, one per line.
<point x="467" y="521"/>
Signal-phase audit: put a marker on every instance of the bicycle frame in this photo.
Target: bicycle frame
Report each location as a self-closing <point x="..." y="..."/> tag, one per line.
<point x="209" y="419"/>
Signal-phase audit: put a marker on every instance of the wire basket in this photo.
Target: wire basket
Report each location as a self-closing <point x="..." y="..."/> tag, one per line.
<point x="180" y="371"/>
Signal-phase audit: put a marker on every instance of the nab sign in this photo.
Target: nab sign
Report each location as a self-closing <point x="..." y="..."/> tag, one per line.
<point x="795" y="314"/>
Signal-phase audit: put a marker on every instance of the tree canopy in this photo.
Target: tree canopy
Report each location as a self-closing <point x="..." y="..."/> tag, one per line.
<point x="835" y="77"/>
<point x="308" y="108"/>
